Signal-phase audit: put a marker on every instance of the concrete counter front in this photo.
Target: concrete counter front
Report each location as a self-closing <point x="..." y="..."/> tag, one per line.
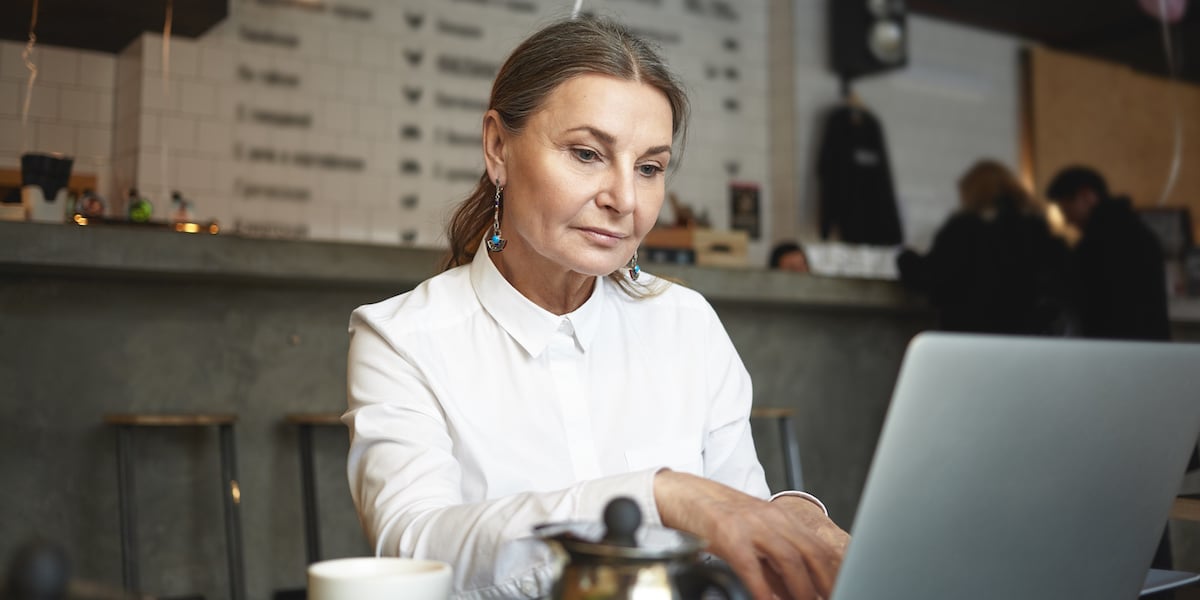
<point x="114" y="319"/>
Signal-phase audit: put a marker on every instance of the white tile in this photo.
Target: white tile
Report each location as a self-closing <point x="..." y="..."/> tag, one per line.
<point x="374" y="50"/>
<point x="353" y="147"/>
<point x="288" y="140"/>
<point x="127" y="101"/>
<point x="129" y="68"/>
<point x="57" y="65"/>
<point x="10" y="98"/>
<point x="214" y="139"/>
<point x="231" y="101"/>
<point x="53" y="137"/>
<point x="321" y="80"/>
<point x="372" y="190"/>
<point x="11" y="133"/>
<point x="11" y="65"/>
<point x="94" y="142"/>
<point x="385" y="88"/>
<point x="44" y="103"/>
<point x="354" y="224"/>
<point x="356" y="83"/>
<point x="153" y="173"/>
<point x="97" y="70"/>
<point x="216" y="63"/>
<point x="154" y="97"/>
<point x="197" y="98"/>
<point x="76" y="104"/>
<point x="375" y="122"/>
<point x="124" y="140"/>
<point x="104" y="108"/>
<point x="183" y="57"/>
<point x="195" y="172"/>
<point x="148" y="131"/>
<point x="180" y="132"/>
<point x="340" y="46"/>
<point x="336" y="117"/>
<point x="251" y="137"/>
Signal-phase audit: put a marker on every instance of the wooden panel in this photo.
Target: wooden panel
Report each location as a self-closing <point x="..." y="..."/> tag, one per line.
<point x="1122" y="123"/>
<point x="1186" y="508"/>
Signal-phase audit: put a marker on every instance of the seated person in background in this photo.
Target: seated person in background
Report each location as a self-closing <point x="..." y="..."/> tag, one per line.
<point x="542" y="373"/>
<point x="995" y="265"/>
<point x="789" y="256"/>
<point x="1118" y="282"/>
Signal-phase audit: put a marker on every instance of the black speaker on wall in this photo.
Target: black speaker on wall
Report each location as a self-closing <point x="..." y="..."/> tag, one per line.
<point x="867" y="36"/>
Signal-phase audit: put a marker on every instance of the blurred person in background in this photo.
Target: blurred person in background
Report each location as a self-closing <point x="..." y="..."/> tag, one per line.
<point x="1118" y="282"/>
<point x="789" y="256"/>
<point x="995" y="265"/>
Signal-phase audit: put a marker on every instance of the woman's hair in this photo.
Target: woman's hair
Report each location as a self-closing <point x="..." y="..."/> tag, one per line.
<point x="989" y="187"/>
<point x="557" y="53"/>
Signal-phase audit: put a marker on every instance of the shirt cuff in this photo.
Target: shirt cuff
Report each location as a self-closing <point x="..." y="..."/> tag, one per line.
<point x="806" y="496"/>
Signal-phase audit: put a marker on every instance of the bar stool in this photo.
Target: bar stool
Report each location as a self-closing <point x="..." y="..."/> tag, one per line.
<point x="787" y="439"/>
<point x="305" y="422"/>
<point x="230" y="492"/>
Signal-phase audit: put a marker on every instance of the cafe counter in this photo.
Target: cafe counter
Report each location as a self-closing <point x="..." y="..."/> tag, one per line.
<point x="118" y="319"/>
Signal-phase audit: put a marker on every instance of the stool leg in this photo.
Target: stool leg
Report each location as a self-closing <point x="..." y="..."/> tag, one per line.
<point x="312" y="534"/>
<point x="128" y="510"/>
<point x="233" y="521"/>
<point x="791" y="453"/>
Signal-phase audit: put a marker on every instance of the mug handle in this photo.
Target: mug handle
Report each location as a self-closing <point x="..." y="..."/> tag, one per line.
<point x="697" y="578"/>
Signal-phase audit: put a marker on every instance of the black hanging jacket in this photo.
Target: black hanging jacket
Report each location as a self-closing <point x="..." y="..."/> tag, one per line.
<point x="857" y="198"/>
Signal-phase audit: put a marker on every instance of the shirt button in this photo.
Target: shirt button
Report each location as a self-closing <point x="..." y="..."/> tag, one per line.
<point x="529" y="587"/>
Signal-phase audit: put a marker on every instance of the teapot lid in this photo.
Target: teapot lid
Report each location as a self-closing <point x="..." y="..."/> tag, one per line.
<point x="621" y="536"/>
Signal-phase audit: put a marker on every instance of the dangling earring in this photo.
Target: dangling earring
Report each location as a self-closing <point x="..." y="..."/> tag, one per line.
<point x="495" y="243"/>
<point x="634" y="268"/>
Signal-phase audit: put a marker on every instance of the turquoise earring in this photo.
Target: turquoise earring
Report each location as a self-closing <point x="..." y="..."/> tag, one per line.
<point x="496" y="243"/>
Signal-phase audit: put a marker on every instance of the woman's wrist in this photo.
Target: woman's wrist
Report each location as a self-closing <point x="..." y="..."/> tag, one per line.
<point x="805" y="496"/>
<point x="666" y="491"/>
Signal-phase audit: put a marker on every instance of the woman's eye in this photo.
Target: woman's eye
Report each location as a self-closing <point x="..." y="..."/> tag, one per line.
<point x="585" y="155"/>
<point x="650" y="170"/>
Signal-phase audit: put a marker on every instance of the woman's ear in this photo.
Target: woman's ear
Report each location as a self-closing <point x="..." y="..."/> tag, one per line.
<point x="495" y="147"/>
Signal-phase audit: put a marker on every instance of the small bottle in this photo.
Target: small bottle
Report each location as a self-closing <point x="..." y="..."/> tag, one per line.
<point x="140" y="208"/>
<point x="183" y="208"/>
<point x="90" y="205"/>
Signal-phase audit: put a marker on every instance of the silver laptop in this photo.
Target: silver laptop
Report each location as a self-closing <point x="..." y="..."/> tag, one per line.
<point x="1013" y="467"/>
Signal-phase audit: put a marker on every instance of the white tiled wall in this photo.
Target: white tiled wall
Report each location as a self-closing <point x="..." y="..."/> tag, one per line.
<point x="70" y="110"/>
<point x="351" y="78"/>
<point x="955" y="103"/>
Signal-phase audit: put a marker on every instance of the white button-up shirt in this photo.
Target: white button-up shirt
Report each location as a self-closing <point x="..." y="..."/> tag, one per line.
<point x="474" y="415"/>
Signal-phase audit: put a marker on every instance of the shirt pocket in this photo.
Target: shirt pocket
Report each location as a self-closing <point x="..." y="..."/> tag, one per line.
<point x="680" y="456"/>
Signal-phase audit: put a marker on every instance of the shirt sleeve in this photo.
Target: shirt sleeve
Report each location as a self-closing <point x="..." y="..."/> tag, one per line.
<point x="729" y="454"/>
<point x="406" y="483"/>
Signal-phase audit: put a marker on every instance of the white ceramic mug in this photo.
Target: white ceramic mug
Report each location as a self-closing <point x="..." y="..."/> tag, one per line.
<point x="372" y="578"/>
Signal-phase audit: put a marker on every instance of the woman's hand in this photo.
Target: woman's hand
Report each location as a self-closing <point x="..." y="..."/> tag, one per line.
<point x="786" y="549"/>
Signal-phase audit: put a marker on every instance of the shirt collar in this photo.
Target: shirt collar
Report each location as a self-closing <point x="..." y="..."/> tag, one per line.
<point x="530" y="325"/>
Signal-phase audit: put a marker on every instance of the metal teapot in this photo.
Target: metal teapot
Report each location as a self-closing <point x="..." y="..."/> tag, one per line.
<point x="621" y="560"/>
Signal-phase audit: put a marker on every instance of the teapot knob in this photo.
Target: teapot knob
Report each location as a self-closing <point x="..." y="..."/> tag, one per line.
<point x="622" y="517"/>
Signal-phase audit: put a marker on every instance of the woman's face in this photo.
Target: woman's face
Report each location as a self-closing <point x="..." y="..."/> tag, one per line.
<point x="584" y="180"/>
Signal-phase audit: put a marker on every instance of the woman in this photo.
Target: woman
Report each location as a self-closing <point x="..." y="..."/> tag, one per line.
<point x="995" y="266"/>
<point x="535" y="379"/>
